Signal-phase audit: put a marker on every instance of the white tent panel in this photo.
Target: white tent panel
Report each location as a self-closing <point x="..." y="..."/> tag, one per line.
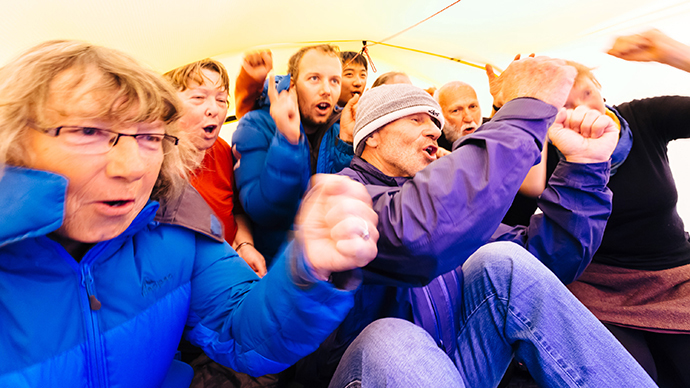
<point x="166" y="34"/>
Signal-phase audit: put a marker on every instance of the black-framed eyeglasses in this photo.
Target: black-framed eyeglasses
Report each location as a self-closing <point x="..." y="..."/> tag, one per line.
<point x="92" y="140"/>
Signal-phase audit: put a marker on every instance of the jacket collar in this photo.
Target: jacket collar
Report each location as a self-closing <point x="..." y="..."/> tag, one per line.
<point x="32" y="203"/>
<point x="190" y="211"/>
<point x="373" y="175"/>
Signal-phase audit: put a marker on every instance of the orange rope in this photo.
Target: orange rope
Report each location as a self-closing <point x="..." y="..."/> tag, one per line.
<point x="415" y="25"/>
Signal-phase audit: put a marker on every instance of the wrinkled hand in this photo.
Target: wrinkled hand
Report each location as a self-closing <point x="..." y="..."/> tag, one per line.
<point x="347" y="119"/>
<point x="255" y="259"/>
<point x="258" y="64"/>
<point x="494" y="85"/>
<point x="584" y="135"/>
<point x="331" y="225"/>
<point x="285" y="111"/>
<point x="543" y="78"/>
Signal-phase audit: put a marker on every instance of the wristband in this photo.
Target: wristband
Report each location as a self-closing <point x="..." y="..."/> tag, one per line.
<point x="240" y="245"/>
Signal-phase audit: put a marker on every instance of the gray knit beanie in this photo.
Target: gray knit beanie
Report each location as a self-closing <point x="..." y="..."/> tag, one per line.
<point x="386" y="103"/>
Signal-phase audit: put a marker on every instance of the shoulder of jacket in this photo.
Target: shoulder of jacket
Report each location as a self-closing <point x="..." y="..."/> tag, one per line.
<point x="190" y="211"/>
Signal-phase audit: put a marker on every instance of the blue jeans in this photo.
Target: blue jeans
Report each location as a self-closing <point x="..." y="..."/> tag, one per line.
<point x="512" y="305"/>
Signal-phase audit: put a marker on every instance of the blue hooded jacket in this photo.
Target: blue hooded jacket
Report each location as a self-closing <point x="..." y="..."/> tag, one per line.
<point x="115" y="318"/>
<point x="273" y="174"/>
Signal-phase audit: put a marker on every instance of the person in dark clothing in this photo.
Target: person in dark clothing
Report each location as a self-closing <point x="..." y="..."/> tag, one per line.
<point x="639" y="281"/>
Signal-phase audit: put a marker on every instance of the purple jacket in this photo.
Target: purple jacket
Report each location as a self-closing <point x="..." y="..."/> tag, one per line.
<point x="430" y="224"/>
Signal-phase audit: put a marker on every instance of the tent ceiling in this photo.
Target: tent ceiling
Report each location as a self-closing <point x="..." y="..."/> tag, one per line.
<point x="166" y="34"/>
<point x="169" y="33"/>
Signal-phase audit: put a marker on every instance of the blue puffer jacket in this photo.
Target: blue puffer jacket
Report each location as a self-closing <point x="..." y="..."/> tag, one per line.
<point x="273" y="174"/>
<point x="115" y="318"/>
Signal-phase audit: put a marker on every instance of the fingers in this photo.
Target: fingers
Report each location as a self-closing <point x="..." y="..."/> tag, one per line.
<point x="344" y="207"/>
<point x="260" y="267"/>
<point x="293" y="96"/>
<point x="257" y="265"/>
<point x="490" y="71"/>
<point x="340" y="185"/>
<point x="352" y="105"/>
<point x="357" y="221"/>
<point x="272" y="92"/>
<point x="258" y="59"/>
<point x="361" y="251"/>
<point x="561" y="117"/>
<point x="267" y="59"/>
<point x="441" y="152"/>
<point x="237" y="156"/>
<point x="589" y="123"/>
<point x="235" y="153"/>
<point x="629" y="47"/>
<point x="602" y="125"/>
<point x="543" y="78"/>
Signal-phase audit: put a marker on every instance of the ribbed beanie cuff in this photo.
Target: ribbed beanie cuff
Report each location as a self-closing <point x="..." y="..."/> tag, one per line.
<point x="386" y="103"/>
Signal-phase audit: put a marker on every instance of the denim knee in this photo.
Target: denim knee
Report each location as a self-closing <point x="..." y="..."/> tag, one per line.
<point x="392" y="352"/>
<point x="500" y="262"/>
<point x="393" y="335"/>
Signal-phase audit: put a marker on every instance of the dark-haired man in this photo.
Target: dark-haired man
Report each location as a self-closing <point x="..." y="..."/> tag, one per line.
<point x="355" y="73"/>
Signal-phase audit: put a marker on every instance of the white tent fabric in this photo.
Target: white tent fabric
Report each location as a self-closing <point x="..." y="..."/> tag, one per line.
<point x="166" y="34"/>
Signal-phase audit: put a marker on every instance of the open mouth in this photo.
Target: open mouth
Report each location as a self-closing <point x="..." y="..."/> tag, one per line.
<point x="210" y="128"/>
<point x="118" y="203"/>
<point x="431" y="151"/>
<point x="323" y="107"/>
<point x="469" y="129"/>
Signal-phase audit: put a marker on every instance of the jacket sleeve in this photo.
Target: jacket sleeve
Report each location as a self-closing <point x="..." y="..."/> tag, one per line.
<point x="272" y="174"/>
<point x="247" y="90"/>
<point x="667" y="116"/>
<point x="334" y="154"/>
<point x="575" y="207"/>
<point x="433" y="222"/>
<point x="261" y="326"/>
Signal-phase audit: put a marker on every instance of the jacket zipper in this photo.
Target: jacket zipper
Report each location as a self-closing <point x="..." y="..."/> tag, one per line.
<point x="91" y="305"/>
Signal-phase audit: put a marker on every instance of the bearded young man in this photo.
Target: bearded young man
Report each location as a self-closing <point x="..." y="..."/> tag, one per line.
<point x="277" y="158"/>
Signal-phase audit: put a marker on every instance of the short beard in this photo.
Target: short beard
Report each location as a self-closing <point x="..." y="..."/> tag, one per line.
<point x="451" y="132"/>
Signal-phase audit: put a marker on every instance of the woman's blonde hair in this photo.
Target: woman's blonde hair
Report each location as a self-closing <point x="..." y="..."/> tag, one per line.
<point x="583" y="72"/>
<point x="182" y="77"/>
<point x="135" y="94"/>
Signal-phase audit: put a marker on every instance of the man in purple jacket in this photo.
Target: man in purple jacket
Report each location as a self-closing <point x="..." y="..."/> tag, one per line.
<point x="438" y="215"/>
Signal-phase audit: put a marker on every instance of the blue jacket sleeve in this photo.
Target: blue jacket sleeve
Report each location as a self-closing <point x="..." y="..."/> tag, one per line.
<point x="273" y="173"/>
<point x="575" y="207"/>
<point x="334" y="154"/>
<point x="433" y="222"/>
<point x="260" y="326"/>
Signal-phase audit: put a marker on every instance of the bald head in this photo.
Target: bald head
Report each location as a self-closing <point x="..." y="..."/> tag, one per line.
<point x="460" y="108"/>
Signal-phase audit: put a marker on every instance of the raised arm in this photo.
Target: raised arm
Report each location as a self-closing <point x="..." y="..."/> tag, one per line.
<point x="250" y="82"/>
<point x="652" y="46"/>
<point x="434" y="221"/>
<point x="264" y="326"/>
<point x="273" y="171"/>
<point x="576" y="203"/>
